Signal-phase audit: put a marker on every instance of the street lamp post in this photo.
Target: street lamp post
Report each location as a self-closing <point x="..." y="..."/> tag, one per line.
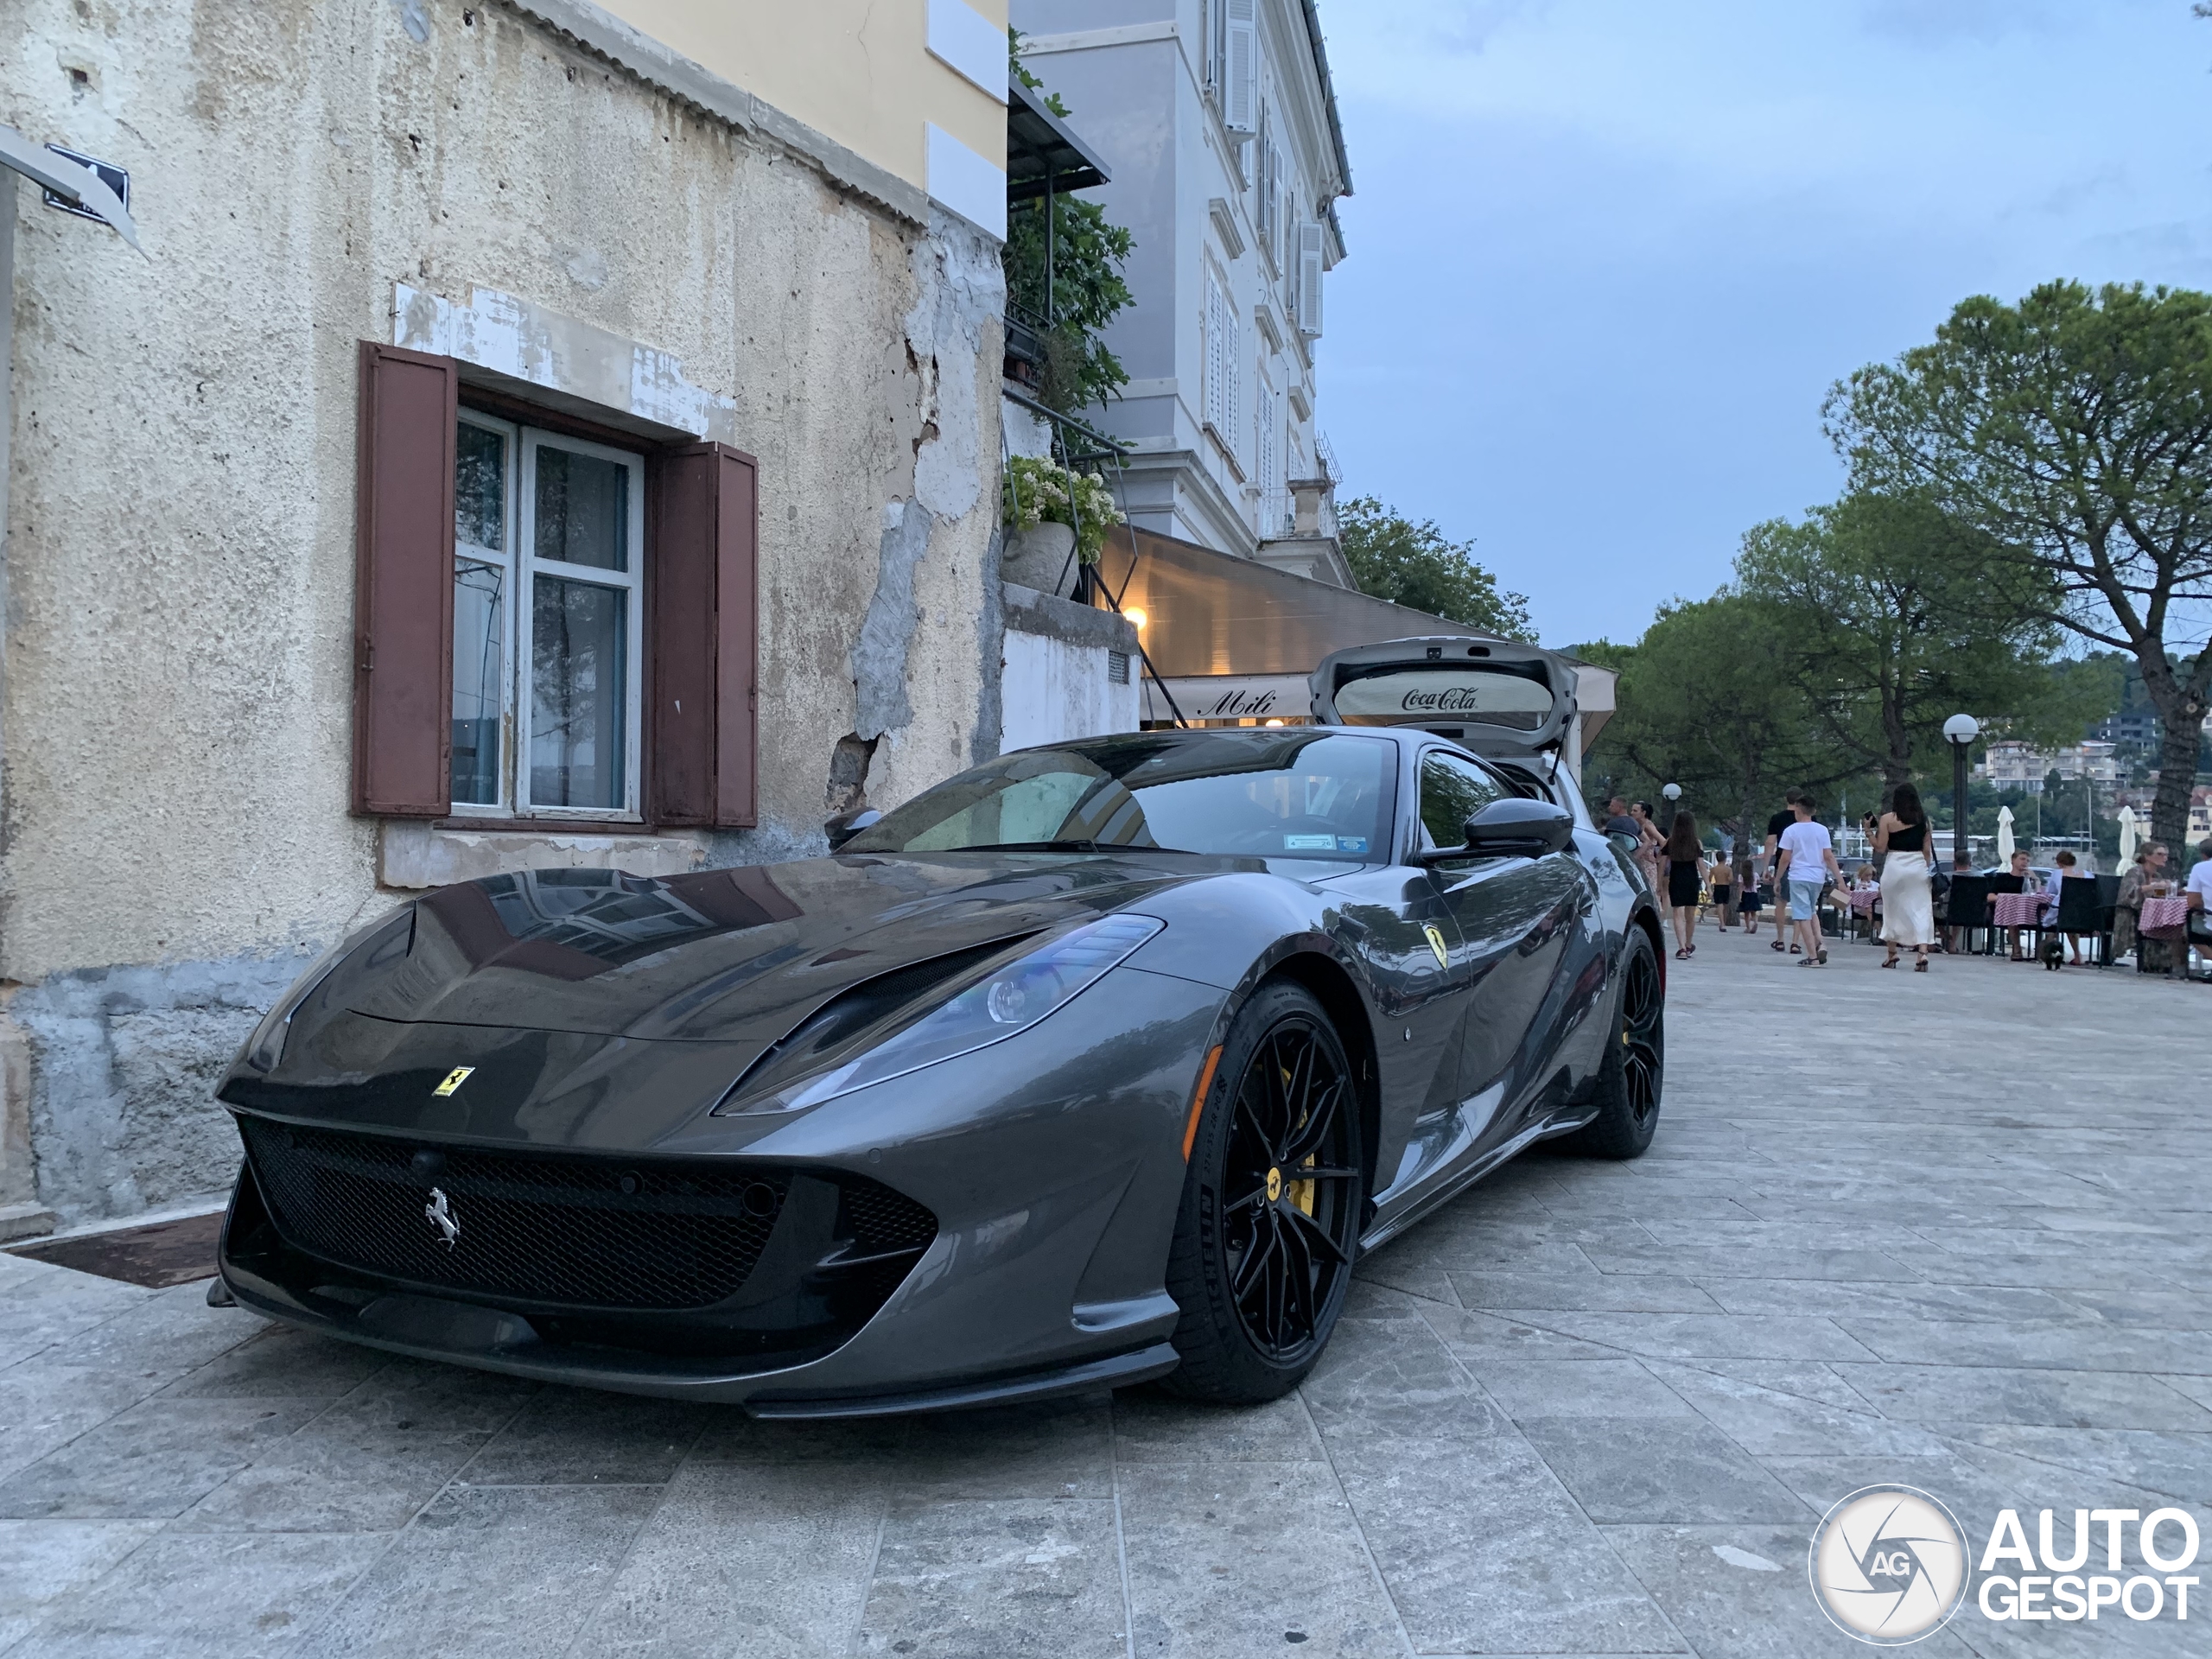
<point x="1961" y="730"/>
<point x="1673" y="795"/>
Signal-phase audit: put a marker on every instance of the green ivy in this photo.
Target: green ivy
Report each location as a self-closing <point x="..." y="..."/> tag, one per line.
<point x="1088" y="252"/>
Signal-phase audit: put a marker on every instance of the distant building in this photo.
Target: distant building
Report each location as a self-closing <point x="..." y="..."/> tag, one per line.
<point x="2011" y="765"/>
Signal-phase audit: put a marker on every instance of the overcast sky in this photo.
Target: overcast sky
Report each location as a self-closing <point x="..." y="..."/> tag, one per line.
<point x="1606" y="257"/>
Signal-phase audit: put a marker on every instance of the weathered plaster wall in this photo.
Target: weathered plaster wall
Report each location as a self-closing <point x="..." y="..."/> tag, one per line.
<point x="174" y="743"/>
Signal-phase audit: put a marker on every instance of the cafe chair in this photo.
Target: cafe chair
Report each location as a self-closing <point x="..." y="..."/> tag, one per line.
<point x="2074" y="913"/>
<point x="1967" y="907"/>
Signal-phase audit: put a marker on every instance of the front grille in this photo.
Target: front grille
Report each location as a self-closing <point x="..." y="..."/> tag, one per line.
<point x="884" y="1222"/>
<point x="553" y="1228"/>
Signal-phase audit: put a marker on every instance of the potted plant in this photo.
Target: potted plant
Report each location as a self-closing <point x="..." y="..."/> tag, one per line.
<point x="1050" y="509"/>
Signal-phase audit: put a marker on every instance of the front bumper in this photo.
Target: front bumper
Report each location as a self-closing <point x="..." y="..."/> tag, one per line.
<point x="997" y="1230"/>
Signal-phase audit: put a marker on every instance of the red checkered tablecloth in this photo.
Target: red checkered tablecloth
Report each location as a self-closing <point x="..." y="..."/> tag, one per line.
<point x="1864" y="898"/>
<point x="2164" y="919"/>
<point x="2019" y="909"/>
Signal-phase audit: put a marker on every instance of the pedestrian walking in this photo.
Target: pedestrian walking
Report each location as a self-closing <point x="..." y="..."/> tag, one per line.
<point x="1685" y="873"/>
<point x="1908" y="886"/>
<point x="1649" y="840"/>
<point x="1720" y="882"/>
<point x="1771" y="852"/>
<point x="1805" y="859"/>
<point x="1748" y="901"/>
<point x="1618" y="821"/>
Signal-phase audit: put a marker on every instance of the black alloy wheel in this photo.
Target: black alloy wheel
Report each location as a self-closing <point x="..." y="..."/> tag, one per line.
<point x="1271" y="1213"/>
<point x="1633" y="1077"/>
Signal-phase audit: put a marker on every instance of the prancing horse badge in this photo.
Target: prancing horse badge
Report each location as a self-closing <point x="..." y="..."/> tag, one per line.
<point x="1435" y="943"/>
<point x="455" y="1078"/>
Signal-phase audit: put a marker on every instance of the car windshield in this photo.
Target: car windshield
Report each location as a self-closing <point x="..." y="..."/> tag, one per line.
<point x="1292" y="794"/>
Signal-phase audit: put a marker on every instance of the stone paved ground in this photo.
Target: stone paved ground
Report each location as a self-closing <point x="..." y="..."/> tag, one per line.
<point x="1945" y="1230"/>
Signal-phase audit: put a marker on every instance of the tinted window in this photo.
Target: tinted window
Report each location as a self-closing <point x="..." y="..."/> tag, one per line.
<point x="1287" y="795"/>
<point x="1452" y="791"/>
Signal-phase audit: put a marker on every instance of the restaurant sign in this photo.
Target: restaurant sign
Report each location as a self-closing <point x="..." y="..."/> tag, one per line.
<point x="1233" y="697"/>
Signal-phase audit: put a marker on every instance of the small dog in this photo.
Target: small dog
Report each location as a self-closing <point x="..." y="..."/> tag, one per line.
<point x="2053" y="952"/>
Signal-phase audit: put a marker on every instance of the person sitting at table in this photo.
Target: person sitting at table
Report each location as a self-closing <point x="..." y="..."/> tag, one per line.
<point x="2019" y="868"/>
<point x="1958" y="939"/>
<point x="2062" y="871"/>
<point x="2150" y="871"/>
<point x="2198" y="888"/>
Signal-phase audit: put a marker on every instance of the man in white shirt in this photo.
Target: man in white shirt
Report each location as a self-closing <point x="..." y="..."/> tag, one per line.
<point x="1806" y="861"/>
<point x="2199" y="891"/>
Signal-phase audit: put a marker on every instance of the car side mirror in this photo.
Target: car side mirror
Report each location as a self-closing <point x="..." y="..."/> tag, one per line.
<point x="1512" y="828"/>
<point x="842" y="830"/>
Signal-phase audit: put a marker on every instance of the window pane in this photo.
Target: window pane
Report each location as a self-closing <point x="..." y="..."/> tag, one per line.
<point x="479" y="488"/>
<point x="579" y="686"/>
<point x="583" y="509"/>
<point x="479" y="659"/>
<point x="1452" y="792"/>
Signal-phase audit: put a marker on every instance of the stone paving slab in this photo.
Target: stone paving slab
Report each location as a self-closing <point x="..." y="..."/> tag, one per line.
<point x="1948" y="1231"/>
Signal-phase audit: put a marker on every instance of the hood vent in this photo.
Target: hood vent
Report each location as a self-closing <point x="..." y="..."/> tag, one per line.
<point x="834" y="1025"/>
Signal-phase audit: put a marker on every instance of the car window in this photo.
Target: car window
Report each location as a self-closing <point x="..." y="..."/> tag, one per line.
<point x="1453" y="789"/>
<point x="1291" y="793"/>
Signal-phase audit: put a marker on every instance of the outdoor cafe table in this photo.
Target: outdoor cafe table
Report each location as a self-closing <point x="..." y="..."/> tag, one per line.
<point x="2164" y="919"/>
<point x="1863" y="898"/>
<point x="2018" y="909"/>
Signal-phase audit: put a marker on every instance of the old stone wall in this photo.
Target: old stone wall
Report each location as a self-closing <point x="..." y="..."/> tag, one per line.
<point x="174" y="722"/>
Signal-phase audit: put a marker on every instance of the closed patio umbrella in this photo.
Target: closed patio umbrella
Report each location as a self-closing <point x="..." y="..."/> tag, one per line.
<point x="2131" y="836"/>
<point x="2004" y="834"/>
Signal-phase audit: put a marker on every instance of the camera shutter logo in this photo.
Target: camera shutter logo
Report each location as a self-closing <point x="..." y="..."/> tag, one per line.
<point x="1889" y="1564"/>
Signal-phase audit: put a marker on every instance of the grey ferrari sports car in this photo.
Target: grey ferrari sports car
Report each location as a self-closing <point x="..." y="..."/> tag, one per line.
<point x="1095" y="1063"/>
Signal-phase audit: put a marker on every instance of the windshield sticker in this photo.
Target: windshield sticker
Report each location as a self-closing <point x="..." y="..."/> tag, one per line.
<point x="1351" y="843"/>
<point x="1309" y="844"/>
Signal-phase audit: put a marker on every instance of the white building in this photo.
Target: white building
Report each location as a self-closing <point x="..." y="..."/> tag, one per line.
<point x="1219" y="124"/>
<point x="2010" y="764"/>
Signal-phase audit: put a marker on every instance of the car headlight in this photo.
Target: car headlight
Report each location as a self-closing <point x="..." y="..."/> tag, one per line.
<point x="1011" y="1000"/>
<point x="265" y="1047"/>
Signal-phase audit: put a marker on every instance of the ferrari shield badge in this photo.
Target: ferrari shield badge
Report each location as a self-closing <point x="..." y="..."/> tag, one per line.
<point x="1435" y="943"/>
<point x="439" y="1213"/>
<point x="460" y="1074"/>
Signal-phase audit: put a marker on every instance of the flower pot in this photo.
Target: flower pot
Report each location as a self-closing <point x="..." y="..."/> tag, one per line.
<point x="1038" y="558"/>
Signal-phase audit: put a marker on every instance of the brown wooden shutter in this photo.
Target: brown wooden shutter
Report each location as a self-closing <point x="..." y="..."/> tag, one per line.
<point x="703" y="636"/>
<point x="403" y="584"/>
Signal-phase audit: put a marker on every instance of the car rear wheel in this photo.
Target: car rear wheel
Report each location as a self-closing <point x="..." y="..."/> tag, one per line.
<point x="1269" y="1224"/>
<point x="1635" y="1070"/>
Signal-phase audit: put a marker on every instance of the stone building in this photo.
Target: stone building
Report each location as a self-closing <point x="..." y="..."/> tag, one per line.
<point x="536" y="433"/>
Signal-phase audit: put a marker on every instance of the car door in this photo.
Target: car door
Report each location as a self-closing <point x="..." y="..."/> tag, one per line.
<point x="1518" y="920"/>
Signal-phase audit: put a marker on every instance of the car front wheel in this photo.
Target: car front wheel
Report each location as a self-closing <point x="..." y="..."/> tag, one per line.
<point x="1269" y="1224"/>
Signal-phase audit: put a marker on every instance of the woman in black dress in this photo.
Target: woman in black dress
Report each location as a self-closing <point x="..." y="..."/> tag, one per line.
<point x="1683" y="853"/>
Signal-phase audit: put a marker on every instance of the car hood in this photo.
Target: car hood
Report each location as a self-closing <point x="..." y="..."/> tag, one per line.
<point x="722" y="955"/>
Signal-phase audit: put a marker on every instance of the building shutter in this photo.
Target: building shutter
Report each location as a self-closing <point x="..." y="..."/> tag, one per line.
<point x="703" y="636"/>
<point x="1309" y="279"/>
<point x="403" y="584"/>
<point x="1239" y="109"/>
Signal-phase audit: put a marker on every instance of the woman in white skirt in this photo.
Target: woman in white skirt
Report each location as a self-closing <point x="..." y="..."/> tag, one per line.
<point x="1908" y="898"/>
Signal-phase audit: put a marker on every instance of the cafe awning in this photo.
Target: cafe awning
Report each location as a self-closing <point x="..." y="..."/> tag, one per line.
<point x="1234" y="638"/>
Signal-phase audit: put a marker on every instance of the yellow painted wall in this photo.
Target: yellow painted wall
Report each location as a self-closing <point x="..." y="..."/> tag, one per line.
<point x="856" y="71"/>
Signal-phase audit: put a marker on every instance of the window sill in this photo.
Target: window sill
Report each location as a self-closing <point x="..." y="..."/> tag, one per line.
<point x="413" y="855"/>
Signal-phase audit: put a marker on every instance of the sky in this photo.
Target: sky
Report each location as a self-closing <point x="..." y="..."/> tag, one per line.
<point x="1605" y="259"/>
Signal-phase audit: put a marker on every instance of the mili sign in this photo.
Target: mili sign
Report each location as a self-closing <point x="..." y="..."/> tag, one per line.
<point x="1890" y="1564"/>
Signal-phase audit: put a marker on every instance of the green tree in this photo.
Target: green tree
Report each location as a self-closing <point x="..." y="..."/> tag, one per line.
<point x="1705" y="701"/>
<point x="2075" y="430"/>
<point x="1087" y="252"/>
<point x="1416" y="565"/>
<point x="1897" y="616"/>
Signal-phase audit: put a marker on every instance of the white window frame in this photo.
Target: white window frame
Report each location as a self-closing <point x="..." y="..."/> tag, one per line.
<point x="522" y="566"/>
